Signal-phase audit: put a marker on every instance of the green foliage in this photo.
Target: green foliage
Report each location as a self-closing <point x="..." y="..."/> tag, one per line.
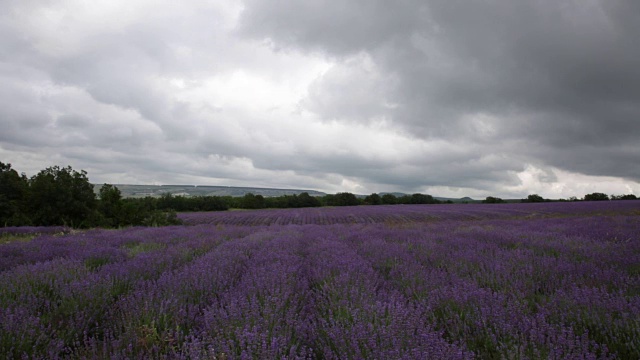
<point x="341" y="199"/>
<point x="110" y="206"/>
<point x="181" y="203"/>
<point x="624" y="197"/>
<point x="62" y="196"/>
<point x="596" y="197"/>
<point x="493" y="200"/>
<point x="389" y="199"/>
<point x="534" y="198"/>
<point x="155" y="218"/>
<point x="251" y="201"/>
<point x="145" y="212"/>
<point x="13" y="193"/>
<point x="171" y="218"/>
<point x="220" y="203"/>
<point x="292" y="201"/>
<point x="305" y="200"/>
<point x="373" y="199"/>
<point x="418" y="199"/>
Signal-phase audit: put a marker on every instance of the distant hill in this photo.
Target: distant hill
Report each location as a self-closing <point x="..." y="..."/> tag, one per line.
<point x="197" y="190"/>
<point x="138" y="191"/>
<point x="455" y="200"/>
<point x="460" y="200"/>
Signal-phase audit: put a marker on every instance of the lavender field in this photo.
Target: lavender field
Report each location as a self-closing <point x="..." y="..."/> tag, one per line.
<point x="397" y="214"/>
<point x="508" y="281"/>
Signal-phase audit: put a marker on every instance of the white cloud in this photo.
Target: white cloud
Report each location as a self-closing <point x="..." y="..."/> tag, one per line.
<point x="554" y="183"/>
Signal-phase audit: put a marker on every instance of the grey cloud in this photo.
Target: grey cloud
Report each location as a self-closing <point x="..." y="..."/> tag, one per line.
<point x="120" y="75"/>
<point x="479" y="89"/>
<point x="553" y="77"/>
<point x="351" y="92"/>
<point x="336" y="27"/>
<point x="22" y="121"/>
<point x="72" y="121"/>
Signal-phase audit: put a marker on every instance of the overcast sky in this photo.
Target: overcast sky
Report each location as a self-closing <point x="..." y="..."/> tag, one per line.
<point x="450" y="98"/>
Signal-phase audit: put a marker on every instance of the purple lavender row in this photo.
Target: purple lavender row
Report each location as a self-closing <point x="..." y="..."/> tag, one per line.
<point x="233" y="302"/>
<point x="158" y="315"/>
<point x="98" y="247"/>
<point x="69" y="298"/>
<point x="395" y="214"/>
<point x="565" y="287"/>
<point x="358" y="314"/>
<point x="525" y="277"/>
<point x="262" y="316"/>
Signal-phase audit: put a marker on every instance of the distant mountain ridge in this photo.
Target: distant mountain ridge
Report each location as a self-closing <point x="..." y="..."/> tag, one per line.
<point x="137" y="191"/>
<point x="203" y="190"/>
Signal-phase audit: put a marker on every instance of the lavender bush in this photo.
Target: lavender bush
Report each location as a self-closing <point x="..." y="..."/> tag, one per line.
<point x="513" y="281"/>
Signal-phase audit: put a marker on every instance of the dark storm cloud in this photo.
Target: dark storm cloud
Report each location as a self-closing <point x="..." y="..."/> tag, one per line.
<point x="337" y="27"/>
<point x="559" y="79"/>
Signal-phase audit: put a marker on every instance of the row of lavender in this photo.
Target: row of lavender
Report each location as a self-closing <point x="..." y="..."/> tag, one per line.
<point x="395" y="214"/>
<point x="565" y="287"/>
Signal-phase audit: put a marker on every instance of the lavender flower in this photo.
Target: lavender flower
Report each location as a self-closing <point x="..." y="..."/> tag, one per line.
<point x="513" y="281"/>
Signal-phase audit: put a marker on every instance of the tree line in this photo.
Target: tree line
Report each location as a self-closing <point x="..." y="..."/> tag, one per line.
<point x="535" y="198"/>
<point x="253" y="201"/>
<point x="62" y="196"/>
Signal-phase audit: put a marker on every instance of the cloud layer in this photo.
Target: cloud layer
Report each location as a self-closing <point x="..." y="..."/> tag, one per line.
<point x="445" y="97"/>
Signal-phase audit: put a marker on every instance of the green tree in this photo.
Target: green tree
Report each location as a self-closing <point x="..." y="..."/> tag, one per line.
<point x="493" y="200"/>
<point x="251" y="201"/>
<point x="534" y="198"/>
<point x="423" y="199"/>
<point x="389" y="199"/>
<point x="147" y="212"/>
<point x="134" y="211"/>
<point x="624" y="197"/>
<point x="596" y="197"/>
<point x="110" y="206"/>
<point x="169" y="202"/>
<point x="373" y="199"/>
<point x="62" y="196"/>
<point x="13" y="195"/>
<point x="345" y="199"/>
<point x="157" y="218"/>
<point x="404" y="199"/>
<point x="306" y="200"/>
<point x="211" y="203"/>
